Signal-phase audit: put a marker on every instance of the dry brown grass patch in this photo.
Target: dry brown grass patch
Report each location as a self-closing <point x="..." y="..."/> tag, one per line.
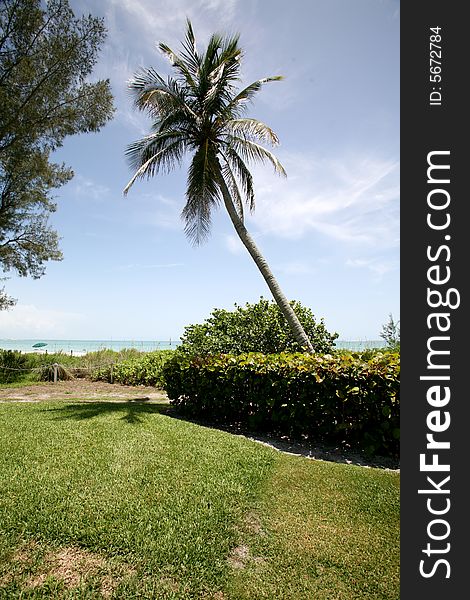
<point x="69" y="565"/>
<point x="252" y="524"/>
<point x="21" y="561"/>
<point x="72" y="566"/>
<point x="219" y="595"/>
<point x="24" y="554"/>
<point x="241" y="556"/>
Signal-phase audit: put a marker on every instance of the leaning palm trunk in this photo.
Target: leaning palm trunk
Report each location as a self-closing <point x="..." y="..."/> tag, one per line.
<point x="279" y="297"/>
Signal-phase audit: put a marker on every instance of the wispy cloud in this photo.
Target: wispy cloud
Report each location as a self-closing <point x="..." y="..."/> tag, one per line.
<point x="354" y="200"/>
<point x="295" y="267"/>
<point x="84" y="187"/>
<point x="379" y="267"/>
<point x="165" y="20"/>
<point x="30" y="321"/>
<point x="146" y="23"/>
<point x="150" y="23"/>
<point x="234" y="244"/>
<point x="157" y="211"/>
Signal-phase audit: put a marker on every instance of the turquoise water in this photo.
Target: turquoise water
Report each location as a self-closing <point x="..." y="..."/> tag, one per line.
<point x="84" y="346"/>
<point x="357" y="345"/>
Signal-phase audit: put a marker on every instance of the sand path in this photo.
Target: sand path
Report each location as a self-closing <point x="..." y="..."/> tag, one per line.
<point x="80" y="389"/>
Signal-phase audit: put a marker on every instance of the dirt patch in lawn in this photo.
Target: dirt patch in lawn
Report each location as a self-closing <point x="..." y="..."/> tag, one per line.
<point x="33" y="566"/>
<point x="81" y="389"/>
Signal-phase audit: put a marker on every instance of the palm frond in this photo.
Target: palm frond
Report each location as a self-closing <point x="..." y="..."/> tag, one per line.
<point x="232" y="185"/>
<point x="156" y="96"/>
<point x="144" y="77"/>
<point x="238" y="104"/>
<point x="253" y="152"/>
<point x="202" y="193"/>
<point x="212" y="52"/>
<point x="231" y="55"/>
<point x="190" y="54"/>
<point x="220" y="67"/>
<point x="243" y="175"/>
<point x="177" y="121"/>
<point x="153" y="154"/>
<point x="224" y="74"/>
<point x="213" y="93"/>
<point x="252" y="129"/>
<point x="182" y="64"/>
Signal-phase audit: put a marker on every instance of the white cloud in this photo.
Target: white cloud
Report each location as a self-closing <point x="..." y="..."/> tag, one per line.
<point x="171" y="16"/>
<point x="135" y="27"/>
<point x="234" y="244"/>
<point x="376" y="266"/>
<point x="354" y="200"/>
<point x="151" y="23"/>
<point x="157" y="211"/>
<point x="144" y="16"/>
<point x="26" y="320"/>
<point x="135" y="121"/>
<point x="295" y="267"/>
<point x="83" y="187"/>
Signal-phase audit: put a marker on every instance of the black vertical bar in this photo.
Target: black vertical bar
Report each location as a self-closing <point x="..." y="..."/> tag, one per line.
<point x="434" y="547"/>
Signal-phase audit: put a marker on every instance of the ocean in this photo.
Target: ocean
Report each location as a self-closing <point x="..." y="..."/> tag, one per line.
<point x="80" y="347"/>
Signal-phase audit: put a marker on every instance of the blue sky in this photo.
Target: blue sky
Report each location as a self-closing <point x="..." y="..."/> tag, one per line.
<point x="330" y="231"/>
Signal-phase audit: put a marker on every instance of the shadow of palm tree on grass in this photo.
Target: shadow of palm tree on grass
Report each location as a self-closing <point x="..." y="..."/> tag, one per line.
<point x="131" y="411"/>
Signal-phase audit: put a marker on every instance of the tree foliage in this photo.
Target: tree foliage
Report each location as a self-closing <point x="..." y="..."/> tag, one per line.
<point x="259" y="327"/>
<point x="391" y="334"/>
<point x="46" y="57"/>
<point x="6" y="301"/>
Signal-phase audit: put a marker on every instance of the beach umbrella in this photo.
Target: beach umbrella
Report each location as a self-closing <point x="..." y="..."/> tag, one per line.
<point x="39" y="345"/>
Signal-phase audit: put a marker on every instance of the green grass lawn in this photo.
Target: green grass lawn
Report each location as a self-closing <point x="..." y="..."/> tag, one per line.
<point x="119" y="500"/>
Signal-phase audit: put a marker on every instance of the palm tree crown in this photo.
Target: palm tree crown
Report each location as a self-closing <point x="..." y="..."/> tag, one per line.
<point x="201" y="111"/>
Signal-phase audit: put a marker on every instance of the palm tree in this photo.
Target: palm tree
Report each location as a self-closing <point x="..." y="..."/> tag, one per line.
<point x="200" y="110"/>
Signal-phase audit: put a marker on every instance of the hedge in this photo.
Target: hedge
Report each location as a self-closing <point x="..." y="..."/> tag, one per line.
<point x="341" y="398"/>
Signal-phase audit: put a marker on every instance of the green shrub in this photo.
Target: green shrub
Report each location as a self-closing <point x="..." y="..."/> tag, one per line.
<point x="38" y="360"/>
<point x="13" y="366"/>
<point x="259" y="327"/>
<point x="144" y="370"/>
<point x="99" y="357"/>
<point x="39" y="366"/>
<point x="334" y="399"/>
<point x="76" y="366"/>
